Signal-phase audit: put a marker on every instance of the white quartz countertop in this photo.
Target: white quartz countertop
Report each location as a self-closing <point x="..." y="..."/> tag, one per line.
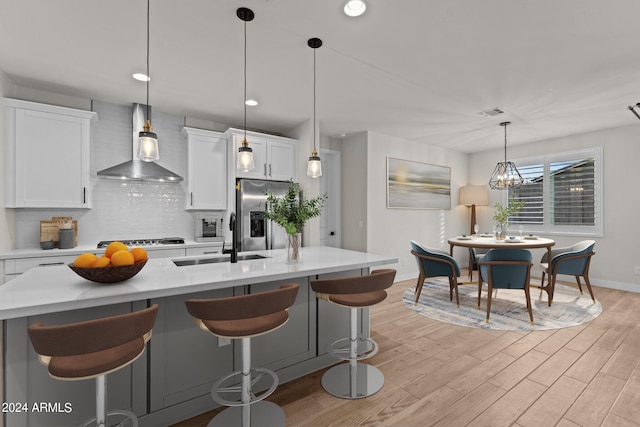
<point x="57" y="288"/>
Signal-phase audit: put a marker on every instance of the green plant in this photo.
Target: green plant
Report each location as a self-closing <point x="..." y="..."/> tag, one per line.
<point x="502" y="213"/>
<point x="290" y="212"/>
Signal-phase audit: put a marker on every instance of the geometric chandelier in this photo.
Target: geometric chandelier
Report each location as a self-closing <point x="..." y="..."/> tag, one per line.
<point x="506" y="174"/>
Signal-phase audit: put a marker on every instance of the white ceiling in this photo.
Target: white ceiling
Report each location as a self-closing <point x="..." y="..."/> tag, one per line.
<point x="415" y="69"/>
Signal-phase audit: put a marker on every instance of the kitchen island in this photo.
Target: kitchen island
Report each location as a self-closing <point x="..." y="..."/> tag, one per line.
<point x="174" y="380"/>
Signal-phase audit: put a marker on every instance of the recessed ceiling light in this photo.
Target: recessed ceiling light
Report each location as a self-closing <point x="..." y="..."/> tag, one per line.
<point x="251" y="102"/>
<point x="141" y="77"/>
<point x="355" y="7"/>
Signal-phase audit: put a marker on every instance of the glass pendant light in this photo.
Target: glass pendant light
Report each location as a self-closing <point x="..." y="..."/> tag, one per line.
<point x="506" y="174"/>
<point x="245" y="153"/>
<point x="147" y="140"/>
<point x="314" y="167"/>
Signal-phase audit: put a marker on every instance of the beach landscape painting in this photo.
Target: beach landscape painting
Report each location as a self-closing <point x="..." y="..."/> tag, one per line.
<point x="417" y="185"/>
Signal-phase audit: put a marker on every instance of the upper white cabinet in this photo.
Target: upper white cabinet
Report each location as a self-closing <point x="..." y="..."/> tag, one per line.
<point x="207" y="169"/>
<point x="48" y="155"/>
<point x="273" y="156"/>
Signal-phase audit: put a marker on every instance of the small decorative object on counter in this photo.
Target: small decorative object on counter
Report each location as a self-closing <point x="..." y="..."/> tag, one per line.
<point x="291" y="212"/>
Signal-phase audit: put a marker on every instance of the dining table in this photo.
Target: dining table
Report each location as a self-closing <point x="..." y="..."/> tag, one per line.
<point x="489" y="241"/>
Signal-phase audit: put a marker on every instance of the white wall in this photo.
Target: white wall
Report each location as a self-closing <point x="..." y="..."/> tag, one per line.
<point x="390" y="230"/>
<point x="617" y="252"/>
<point x="354" y="192"/>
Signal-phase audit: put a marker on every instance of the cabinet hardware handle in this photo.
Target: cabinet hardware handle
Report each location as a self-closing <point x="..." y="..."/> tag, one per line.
<point x="269" y="169"/>
<point x="265" y="169"/>
<point x="84" y="195"/>
<point x="46" y="264"/>
<point x="192" y="198"/>
<point x="210" y="252"/>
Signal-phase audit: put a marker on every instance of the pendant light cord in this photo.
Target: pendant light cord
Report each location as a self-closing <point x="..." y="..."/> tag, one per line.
<point x="505" y="143"/>
<point x="244" y="101"/>
<point x="148" y="76"/>
<point x="314" y="101"/>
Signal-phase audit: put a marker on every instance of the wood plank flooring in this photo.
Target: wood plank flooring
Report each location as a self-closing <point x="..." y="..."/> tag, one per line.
<point x="437" y="374"/>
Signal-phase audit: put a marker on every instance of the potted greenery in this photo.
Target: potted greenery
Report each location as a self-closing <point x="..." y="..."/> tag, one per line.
<point x="292" y="212"/>
<point x="502" y="214"/>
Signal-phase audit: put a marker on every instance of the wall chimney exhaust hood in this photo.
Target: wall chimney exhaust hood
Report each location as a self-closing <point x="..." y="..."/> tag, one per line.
<point x="135" y="169"/>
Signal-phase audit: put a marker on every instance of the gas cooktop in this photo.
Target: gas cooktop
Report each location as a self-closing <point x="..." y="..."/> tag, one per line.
<point x="145" y="242"/>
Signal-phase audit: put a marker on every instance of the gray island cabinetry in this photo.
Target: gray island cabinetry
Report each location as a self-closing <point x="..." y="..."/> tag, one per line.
<point x="173" y="380"/>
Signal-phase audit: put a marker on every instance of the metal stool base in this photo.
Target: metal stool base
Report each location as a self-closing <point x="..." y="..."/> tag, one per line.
<point x="367" y="380"/>
<point x="263" y="414"/>
<point x="130" y="420"/>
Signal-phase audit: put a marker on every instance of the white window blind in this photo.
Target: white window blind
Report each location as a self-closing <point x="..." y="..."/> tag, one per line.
<point x="562" y="193"/>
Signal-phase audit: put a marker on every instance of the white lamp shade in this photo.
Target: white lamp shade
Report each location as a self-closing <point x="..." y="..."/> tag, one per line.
<point x="474" y="195"/>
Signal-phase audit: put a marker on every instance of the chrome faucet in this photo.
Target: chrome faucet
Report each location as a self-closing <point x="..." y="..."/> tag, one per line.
<point x="234" y="239"/>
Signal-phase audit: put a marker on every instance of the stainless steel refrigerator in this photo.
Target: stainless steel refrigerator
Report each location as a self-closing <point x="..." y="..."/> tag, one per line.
<point x="254" y="231"/>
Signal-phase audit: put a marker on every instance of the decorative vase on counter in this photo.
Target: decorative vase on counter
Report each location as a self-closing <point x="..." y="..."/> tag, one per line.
<point x="294" y="241"/>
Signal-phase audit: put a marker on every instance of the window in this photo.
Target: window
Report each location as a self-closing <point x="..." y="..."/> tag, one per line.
<point x="562" y="193"/>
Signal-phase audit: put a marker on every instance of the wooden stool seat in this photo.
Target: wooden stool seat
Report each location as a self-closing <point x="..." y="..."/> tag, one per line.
<point x="246" y="327"/>
<point x="355" y="300"/>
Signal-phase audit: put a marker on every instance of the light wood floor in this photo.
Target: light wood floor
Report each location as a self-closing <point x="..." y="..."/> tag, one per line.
<point x="445" y="375"/>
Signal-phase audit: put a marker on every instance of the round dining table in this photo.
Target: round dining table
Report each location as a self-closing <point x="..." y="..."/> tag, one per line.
<point x="489" y="241"/>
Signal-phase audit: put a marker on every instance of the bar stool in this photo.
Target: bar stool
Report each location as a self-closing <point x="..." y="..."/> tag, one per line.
<point x="354" y="380"/>
<point x="94" y="349"/>
<point x="243" y="317"/>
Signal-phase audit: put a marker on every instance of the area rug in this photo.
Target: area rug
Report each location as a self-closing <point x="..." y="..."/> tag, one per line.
<point x="508" y="307"/>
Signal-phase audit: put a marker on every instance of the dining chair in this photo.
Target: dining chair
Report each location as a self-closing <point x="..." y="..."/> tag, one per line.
<point x="505" y="269"/>
<point x="474" y="255"/>
<point x="573" y="260"/>
<point x="435" y="263"/>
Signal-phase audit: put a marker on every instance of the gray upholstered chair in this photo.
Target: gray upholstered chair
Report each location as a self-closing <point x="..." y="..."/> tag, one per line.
<point x="435" y="263"/>
<point x="573" y="260"/>
<point x="474" y="255"/>
<point x="505" y="269"/>
<point x="93" y="349"/>
<point x="242" y="317"/>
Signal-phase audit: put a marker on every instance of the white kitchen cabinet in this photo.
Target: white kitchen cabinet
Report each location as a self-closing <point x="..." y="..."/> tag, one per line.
<point x="273" y="156"/>
<point x="206" y="170"/>
<point x="48" y="155"/>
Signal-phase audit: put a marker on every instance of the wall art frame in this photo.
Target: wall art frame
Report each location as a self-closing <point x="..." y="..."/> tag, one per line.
<point x="417" y="185"/>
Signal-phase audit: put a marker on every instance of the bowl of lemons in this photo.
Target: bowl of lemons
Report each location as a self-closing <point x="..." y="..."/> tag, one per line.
<point x="118" y="263"/>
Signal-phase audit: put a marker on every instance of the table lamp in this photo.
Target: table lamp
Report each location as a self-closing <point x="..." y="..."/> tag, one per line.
<point x="472" y="195"/>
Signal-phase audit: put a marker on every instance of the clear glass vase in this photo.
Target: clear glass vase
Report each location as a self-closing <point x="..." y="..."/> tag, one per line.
<point x="294" y="242"/>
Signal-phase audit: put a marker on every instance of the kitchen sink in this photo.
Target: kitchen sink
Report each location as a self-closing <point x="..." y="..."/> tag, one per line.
<point x="213" y="260"/>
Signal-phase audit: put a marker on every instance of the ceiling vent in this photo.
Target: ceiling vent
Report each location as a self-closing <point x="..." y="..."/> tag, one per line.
<point x="492" y="112"/>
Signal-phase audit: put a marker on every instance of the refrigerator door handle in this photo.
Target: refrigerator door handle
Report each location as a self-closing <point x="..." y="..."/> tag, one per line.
<point x="267" y="228"/>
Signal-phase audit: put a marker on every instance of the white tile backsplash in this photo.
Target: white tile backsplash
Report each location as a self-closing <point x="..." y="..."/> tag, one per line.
<point x="124" y="210"/>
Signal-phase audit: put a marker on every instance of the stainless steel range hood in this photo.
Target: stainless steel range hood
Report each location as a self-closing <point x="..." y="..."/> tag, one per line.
<point x="137" y="170"/>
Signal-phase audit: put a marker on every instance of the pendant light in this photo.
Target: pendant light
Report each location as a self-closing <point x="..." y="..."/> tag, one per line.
<point x="314" y="167"/>
<point x="505" y="175"/>
<point x="147" y="140"/>
<point x="245" y="153"/>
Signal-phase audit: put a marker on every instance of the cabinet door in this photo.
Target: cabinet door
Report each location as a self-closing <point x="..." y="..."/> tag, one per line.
<point x="52" y="160"/>
<point x="207" y="164"/>
<point x="281" y="157"/>
<point x="185" y="360"/>
<point x="290" y="343"/>
<point x="259" y="147"/>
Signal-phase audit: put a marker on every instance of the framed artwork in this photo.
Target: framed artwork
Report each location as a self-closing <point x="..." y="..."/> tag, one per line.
<point x="417" y="185"/>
